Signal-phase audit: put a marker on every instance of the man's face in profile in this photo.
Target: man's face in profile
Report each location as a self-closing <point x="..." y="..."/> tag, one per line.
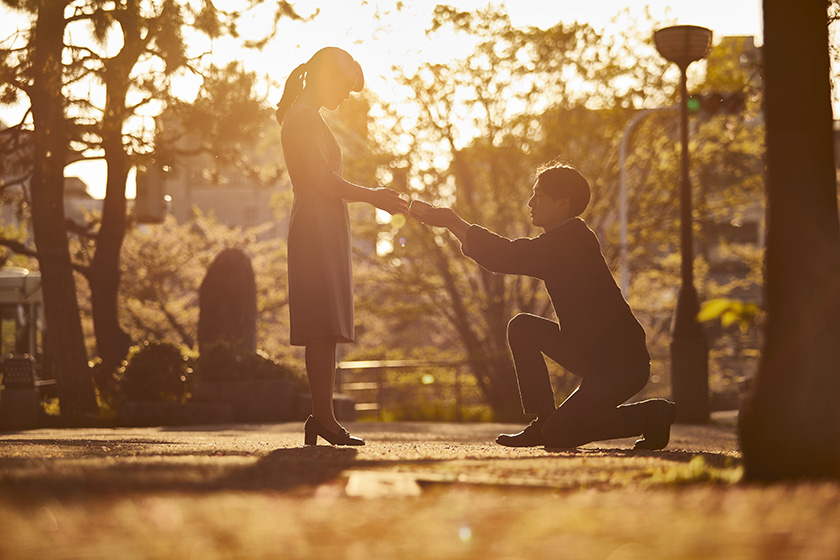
<point x="547" y="212"/>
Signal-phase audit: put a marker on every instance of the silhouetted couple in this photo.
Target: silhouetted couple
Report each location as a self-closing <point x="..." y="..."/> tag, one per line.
<point x="600" y="339"/>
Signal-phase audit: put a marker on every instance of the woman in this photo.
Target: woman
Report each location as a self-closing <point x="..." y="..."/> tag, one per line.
<point x="320" y="272"/>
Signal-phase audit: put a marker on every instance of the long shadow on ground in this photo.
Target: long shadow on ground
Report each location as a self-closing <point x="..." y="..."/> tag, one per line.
<point x="94" y="473"/>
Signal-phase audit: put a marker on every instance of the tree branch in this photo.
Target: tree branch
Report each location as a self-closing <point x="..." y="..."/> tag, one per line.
<point x="21" y="249"/>
<point x="18" y="247"/>
<point x="19" y="125"/>
<point x="144" y="101"/>
<point x="82" y="230"/>
<point x="8" y="183"/>
<point x="91" y="54"/>
<point x="185" y="336"/>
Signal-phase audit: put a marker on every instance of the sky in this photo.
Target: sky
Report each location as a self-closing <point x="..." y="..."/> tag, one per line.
<point x="399" y="36"/>
<point x="378" y="35"/>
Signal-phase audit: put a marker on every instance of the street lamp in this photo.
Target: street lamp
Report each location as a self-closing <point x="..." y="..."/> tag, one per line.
<point x="684" y="44"/>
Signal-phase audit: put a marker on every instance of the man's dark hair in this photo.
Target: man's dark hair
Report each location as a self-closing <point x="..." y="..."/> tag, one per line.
<point x="565" y="181"/>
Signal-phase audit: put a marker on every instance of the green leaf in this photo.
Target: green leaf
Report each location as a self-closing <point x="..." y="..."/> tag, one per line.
<point x="713" y="309"/>
<point x="729" y="316"/>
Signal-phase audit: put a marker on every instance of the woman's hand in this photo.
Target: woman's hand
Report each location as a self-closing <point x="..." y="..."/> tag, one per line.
<point x="429" y="215"/>
<point x="388" y="200"/>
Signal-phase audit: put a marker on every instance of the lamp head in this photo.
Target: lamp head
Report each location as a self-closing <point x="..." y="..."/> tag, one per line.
<point x="683" y="44"/>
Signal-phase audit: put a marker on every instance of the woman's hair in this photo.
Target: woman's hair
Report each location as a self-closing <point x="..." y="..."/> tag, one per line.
<point x="329" y="59"/>
<point x="560" y="180"/>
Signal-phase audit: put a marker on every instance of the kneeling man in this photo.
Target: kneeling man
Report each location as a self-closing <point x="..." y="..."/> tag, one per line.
<point x="597" y="337"/>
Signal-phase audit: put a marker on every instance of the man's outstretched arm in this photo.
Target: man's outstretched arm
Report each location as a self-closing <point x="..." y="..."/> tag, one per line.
<point x="494" y="252"/>
<point x="441" y="217"/>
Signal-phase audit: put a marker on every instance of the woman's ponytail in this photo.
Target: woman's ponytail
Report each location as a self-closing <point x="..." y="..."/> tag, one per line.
<point x="291" y="91"/>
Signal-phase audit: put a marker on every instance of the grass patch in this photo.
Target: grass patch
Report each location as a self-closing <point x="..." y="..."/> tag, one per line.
<point x="697" y="470"/>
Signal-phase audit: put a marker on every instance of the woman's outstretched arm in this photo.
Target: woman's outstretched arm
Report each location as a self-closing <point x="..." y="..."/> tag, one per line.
<point x="307" y="157"/>
<point x="383" y="198"/>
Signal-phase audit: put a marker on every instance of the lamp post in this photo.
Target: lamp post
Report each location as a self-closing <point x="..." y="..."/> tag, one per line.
<point x="684" y="44"/>
<point x="623" y="266"/>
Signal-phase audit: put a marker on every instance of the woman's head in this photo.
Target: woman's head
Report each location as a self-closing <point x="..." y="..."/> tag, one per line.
<point x="330" y="75"/>
<point x="337" y="66"/>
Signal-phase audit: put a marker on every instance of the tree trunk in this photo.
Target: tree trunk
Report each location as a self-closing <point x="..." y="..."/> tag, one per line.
<point x="65" y="341"/>
<point x="489" y="360"/>
<point x="503" y="391"/>
<point x="112" y="342"/>
<point x="790" y="422"/>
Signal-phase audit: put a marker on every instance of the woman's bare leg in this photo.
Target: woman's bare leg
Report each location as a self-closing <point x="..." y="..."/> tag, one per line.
<point x="320" y="370"/>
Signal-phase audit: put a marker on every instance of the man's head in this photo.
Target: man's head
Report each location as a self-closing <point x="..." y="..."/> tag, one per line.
<point x="560" y="193"/>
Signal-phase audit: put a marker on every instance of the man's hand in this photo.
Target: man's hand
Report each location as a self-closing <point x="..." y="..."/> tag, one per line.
<point x="429" y="215"/>
<point x="440" y="217"/>
<point x="388" y="200"/>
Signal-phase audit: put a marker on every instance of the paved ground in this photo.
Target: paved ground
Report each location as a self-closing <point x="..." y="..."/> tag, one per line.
<point x="416" y="490"/>
<point x="273" y="457"/>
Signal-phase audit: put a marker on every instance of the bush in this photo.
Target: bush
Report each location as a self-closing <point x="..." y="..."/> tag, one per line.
<point x="226" y="362"/>
<point x="155" y="372"/>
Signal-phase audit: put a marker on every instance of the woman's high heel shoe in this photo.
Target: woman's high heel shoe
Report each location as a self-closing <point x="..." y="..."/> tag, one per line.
<point x="312" y="429"/>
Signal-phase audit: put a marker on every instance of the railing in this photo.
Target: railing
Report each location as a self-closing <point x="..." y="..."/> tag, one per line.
<point x="20" y="371"/>
<point x="378" y="385"/>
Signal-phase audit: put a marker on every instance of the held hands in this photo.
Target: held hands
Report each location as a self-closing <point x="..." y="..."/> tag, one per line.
<point x="429" y="215"/>
<point x="392" y="202"/>
<point x="388" y="200"/>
